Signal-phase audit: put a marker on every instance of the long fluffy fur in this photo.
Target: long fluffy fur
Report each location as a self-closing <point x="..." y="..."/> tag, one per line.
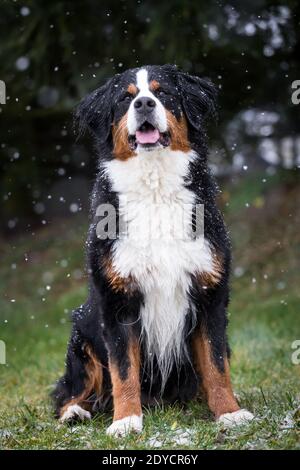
<point x="163" y="298"/>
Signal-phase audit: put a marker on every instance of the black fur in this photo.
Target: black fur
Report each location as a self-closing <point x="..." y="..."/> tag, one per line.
<point x="107" y="318"/>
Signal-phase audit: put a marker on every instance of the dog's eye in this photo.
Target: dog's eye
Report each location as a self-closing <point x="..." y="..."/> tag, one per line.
<point x="161" y="92"/>
<point x="126" y="98"/>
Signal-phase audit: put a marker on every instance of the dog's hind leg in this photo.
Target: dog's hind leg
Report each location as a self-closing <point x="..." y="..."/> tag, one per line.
<point x="75" y="392"/>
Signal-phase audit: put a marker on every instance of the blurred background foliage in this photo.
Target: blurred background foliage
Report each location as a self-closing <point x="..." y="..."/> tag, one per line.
<point x="53" y="53"/>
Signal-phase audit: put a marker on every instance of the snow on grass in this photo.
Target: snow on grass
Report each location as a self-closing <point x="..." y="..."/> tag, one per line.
<point x="173" y="438"/>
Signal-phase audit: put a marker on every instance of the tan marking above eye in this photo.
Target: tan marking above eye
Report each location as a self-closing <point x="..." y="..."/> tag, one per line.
<point x="154" y="85"/>
<point x="132" y="89"/>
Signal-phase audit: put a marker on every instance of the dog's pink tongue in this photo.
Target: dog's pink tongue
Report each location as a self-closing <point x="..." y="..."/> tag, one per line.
<point x="147" y="137"/>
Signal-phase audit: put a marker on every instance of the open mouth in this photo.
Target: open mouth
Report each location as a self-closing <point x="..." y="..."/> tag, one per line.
<point x="148" y="136"/>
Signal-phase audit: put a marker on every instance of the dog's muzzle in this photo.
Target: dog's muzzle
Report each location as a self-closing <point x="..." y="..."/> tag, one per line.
<point x="147" y="134"/>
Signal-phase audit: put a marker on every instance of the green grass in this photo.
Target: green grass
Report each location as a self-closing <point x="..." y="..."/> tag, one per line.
<point x="264" y="321"/>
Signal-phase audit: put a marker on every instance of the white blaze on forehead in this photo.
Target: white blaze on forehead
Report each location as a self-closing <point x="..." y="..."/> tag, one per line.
<point x="160" y="118"/>
<point x="143" y="84"/>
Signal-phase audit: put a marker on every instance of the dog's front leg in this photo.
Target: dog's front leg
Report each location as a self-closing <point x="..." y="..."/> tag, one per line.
<point x="126" y="389"/>
<point x="216" y="381"/>
<point x="120" y="301"/>
<point x="211" y="354"/>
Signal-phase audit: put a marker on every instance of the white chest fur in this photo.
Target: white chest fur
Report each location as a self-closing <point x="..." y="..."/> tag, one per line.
<point x="157" y="249"/>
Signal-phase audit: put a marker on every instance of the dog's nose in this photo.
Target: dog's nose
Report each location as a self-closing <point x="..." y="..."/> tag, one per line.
<point x="144" y="104"/>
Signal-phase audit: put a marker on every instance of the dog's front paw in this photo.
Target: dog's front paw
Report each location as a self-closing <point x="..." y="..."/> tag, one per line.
<point x="74" y="412"/>
<point x="124" y="426"/>
<point x="236" y="418"/>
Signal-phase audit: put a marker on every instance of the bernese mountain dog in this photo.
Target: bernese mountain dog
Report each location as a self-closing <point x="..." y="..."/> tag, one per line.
<point x="153" y="328"/>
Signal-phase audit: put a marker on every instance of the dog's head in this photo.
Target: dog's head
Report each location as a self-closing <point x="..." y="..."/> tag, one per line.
<point x="146" y="109"/>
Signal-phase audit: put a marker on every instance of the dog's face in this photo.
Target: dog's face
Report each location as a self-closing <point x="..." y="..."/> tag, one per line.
<point x="146" y="109"/>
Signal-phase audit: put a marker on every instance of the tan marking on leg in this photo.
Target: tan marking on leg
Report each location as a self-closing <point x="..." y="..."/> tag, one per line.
<point x="116" y="281"/>
<point x="121" y="148"/>
<point x="127" y="393"/>
<point x="178" y="132"/>
<point x="93" y="383"/>
<point x="216" y="385"/>
<point x="94" y="371"/>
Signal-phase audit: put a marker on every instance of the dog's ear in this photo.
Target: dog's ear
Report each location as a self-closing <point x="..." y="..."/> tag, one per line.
<point x="198" y="98"/>
<point x="95" y="112"/>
